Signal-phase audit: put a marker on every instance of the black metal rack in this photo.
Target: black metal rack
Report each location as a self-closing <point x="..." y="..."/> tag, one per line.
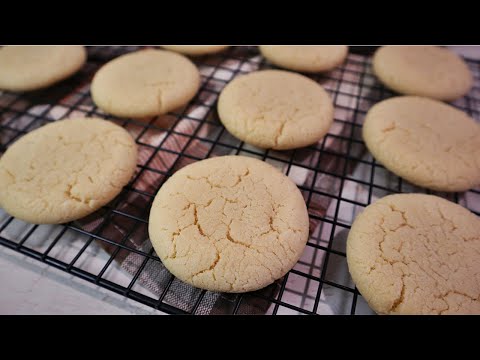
<point x="337" y="177"/>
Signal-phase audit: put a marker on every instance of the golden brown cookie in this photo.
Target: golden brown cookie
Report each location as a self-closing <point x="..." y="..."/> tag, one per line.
<point x="229" y="224"/>
<point x="145" y="83"/>
<point x="276" y="109"/>
<point x="66" y="170"/>
<point x="429" y="71"/>
<point x="427" y="142"/>
<point x="26" y="68"/>
<point x="309" y="58"/>
<point x="416" y="254"/>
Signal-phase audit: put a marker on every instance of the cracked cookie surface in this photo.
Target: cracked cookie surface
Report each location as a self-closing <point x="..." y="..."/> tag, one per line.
<point x="145" y="83"/>
<point x="66" y="170"/>
<point x="430" y="71"/>
<point x="196" y="50"/>
<point x="416" y="254"/>
<point x="26" y="68"/>
<point x="229" y="224"/>
<point x="427" y="142"/>
<point x="305" y="58"/>
<point x="276" y="109"/>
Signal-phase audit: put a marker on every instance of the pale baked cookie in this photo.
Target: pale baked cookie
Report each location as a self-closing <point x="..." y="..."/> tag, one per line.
<point x="429" y="71"/>
<point x="416" y="254"/>
<point x="196" y="50"/>
<point x="145" y="83"/>
<point x="276" y="109"/>
<point x="25" y="68"/>
<point x="427" y="142"/>
<point x="309" y="59"/>
<point x="229" y="224"/>
<point x="66" y="170"/>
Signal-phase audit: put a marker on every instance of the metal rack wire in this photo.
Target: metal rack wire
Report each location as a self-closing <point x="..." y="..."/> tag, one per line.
<point x="337" y="177"/>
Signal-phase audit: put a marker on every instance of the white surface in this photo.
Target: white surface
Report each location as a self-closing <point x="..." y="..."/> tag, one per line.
<point x="31" y="287"/>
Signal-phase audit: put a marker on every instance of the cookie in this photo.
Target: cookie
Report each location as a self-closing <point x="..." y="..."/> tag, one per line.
<point x="427" y="142"/>
<point x="196" y="50"/>
<point x="429" y="71"/>
<point x="416" y="254"/>
<point x="145" y="83"/>
<point x="229" y="224"/>
<point x="275" y="109"/>
<point x="66" y="170"/>
<point x="309" y="59"/>
<point x="26" y="68"/>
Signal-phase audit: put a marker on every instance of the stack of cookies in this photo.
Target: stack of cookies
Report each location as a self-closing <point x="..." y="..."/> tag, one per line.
<point x="236" y="224"/>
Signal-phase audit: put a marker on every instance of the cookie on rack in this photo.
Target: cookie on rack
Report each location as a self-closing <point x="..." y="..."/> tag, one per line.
<point x="196" y="50"/>
<point x="416" y="254"/>
<point x="276" y="109"/>
<point x="145" y="83"/>
<point x="429" y="71"/>
<point x="427" y="142"/>
<point x="27" y="68"/>
<point x="66" y="170"/>
<point x="309" y="59"/>
<point x="229" y="224"/>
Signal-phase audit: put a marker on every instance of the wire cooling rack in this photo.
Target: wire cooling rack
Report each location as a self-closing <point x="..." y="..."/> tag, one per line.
<point x="337" y="178"/>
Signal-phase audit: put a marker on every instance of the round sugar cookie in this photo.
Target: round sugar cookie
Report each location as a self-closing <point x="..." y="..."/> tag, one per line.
<point x="429" y="71"/>
<point x="66" y="170"/>
<point x="416" y="254"/>
<point x="275" y="109"/>
<point x="145" y="83"/>
<point x="309" y="59"/>
<point x="229" y="224"/>
<point x="26" y="68"/>
<point x="427" y="142"/>
<point x="196" y="50"/>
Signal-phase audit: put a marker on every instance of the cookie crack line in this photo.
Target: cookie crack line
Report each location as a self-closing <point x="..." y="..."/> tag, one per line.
<point x="217" y="259"/>
<point x="212" y="185"/>
<point x="404" y="217"/>
<point x="445" y="219"/>
<point x="389" y="128"/>
<point x="400" y="298"/>
<point x="279" y="133"/>
<point x="9" y="173"/>
<point x="232" y="240"/>
<point x="247" y="246"/>
<point x="473" y="298"/>
<point x="68" y="193"/>
<point x="196" y="222"/>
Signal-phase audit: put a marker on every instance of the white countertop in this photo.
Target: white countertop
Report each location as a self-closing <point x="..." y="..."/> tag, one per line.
<point x="31" y="287"/>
